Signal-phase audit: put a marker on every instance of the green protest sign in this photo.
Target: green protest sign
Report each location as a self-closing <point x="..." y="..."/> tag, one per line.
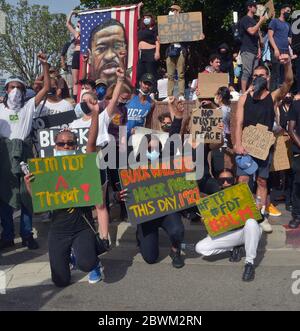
<point x="65" y="182"/>
<point x="228" y="209"/>
<point x="156" y="192"/>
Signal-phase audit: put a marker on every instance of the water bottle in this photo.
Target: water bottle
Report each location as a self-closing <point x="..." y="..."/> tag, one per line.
<point x="187" y="247"/>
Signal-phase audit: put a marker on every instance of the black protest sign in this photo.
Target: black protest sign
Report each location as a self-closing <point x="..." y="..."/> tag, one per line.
<point x="180" y="28"/>
<point x="205" y="123"/>
<point x="50" y="121"/>
<point x="47" y="144"/>
<point x="156" y="192"/>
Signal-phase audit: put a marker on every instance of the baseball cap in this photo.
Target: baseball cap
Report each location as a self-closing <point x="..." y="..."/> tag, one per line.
<point x="148" y="78"/>
<point x="15" y="79"/>
<point x="247" y="164"/>
<point x="250" y="3"/>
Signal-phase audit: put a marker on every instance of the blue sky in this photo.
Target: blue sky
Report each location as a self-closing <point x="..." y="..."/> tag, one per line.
<point x="55" y="6"/>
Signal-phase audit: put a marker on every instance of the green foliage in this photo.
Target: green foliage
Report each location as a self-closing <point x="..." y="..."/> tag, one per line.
<point x="30" y="29"/>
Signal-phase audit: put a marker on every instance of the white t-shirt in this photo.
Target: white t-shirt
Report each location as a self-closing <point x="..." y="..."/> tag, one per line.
<point x="16" y="124"/>
<point x="52" y="108"/>
<point x="103" y="137"/>
<point x="80" y="123"/>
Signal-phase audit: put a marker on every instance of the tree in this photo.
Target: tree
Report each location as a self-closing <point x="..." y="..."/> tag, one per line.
<point x="30" y="29"/>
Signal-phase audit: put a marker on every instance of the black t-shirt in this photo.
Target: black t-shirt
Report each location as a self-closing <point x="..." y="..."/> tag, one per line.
<point x="249" y="42"/>
<point x="147" y="35"/>
<point x="294" y="115"/>
<point x="70" y="220"/>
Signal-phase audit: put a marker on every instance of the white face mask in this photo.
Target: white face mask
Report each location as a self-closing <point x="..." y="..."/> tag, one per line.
<point x="77" y="29"/>
<point x="67" y="152"/>
<point x="171" y="13"/>
<point x="144" y="93"/>
<point x="14" y="99"/>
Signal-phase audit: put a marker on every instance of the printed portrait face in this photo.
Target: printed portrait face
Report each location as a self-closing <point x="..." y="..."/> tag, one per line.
<point x="106" y="47"/>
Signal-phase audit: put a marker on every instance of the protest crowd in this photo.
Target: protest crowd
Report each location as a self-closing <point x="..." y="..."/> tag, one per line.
<point x="239" y="118"/>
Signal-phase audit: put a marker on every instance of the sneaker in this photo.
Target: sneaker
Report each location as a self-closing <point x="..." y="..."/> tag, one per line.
<point x="181" y="98"/>
<point x="249" y="272"/>
<point x="177" y="260"/>
<point x="73" y="265"/>
<point x="273" y="211"/>
<point x="95" y="275"/>
<point x="266" y="226"/>
<point x="294" y="223"/>
<point x="6" y="243"/>
<point x="236" y="254"/>
<point x="30" y="242"/>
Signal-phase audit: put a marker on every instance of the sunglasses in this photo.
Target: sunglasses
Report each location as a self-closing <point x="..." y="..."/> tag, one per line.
<point x="68" y="143"/>
<point x="229" y="180"/>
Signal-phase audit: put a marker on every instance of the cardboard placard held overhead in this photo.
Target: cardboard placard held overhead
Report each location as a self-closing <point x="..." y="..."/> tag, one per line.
<point x="180" y="28"/>
<point x="281" y="158"/>
<point x="228" y="209"/>
<point x="257" y="141"/>
<point x="270" y="9"/>
<point x="205" y="123"/>
<point x="65" y="182"/>
<point x="208" y="84"/>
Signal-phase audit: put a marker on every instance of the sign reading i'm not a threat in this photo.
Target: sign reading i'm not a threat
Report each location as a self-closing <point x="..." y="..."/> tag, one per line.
<point x="156" y="192"/>
<point x="228" y="209"/>
<point x="65" y="182"/>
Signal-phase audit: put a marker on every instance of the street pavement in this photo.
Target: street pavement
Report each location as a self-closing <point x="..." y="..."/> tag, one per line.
<point x="130" y="284"/>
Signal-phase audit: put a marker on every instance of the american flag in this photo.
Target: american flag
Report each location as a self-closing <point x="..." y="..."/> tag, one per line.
<point x="128" y="15"/>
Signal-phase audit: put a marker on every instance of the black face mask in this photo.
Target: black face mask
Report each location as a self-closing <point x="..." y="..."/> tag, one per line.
<point x="286" y="16"/>
<point x="52" y="91"/>
<point x="166" y="127"/>
<point x="260" y="84"/>
<point x="287" y="101"/>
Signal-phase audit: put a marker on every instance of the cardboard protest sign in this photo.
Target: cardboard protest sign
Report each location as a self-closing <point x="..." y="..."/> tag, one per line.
<point x="156" y="192"/>
<point x="208" y="84"/>
<point x="205" y="123"/>
<point x="257" y="141"/>
<point x="47" y="144"/>
<point x="49" y="121"/>
<point x="65" y="182"/>
<point x="228" y="209"/>
<point x="270" y="9"/>
<point x="281" y="157"/>
<point x="180" y="28"/>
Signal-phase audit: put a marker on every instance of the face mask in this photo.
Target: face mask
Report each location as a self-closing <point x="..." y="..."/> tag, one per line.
<point x="147" y="21"/>
<point x="166" y="127"/>
<point x="52" y="91"/>
<point x="144" y="93"/>
<point x="101" y="91"/>
<point x="286" y="16"/>
<point x="154" y="155"/>
<point x="77" y="29"/>
<point x="171" y="13"/>
<point x="288" y="100"/>
<point x="15" y="99"/>
<point x="122" y="103"/>
<point x="67" y="152"/>
<point x="260" y="84"/>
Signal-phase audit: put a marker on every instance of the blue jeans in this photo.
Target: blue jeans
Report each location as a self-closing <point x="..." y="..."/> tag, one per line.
<point x="7" y="222"/>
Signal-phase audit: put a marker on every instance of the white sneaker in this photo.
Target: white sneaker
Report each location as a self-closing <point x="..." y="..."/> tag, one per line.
<point x="181" y="98"/>
<point x="266" y="226"/>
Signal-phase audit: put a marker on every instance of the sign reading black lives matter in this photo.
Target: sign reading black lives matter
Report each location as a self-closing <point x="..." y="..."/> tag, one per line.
<point x="47" y="144"/>
<point x="180" y="28"/>
<point x="50" y="121"/>
<point x="156" y="192"/>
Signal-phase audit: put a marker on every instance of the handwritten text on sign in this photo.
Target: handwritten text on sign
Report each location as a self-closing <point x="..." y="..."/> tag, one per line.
<point x="65" y="182"/>
<point x="205" y="122"/>
<point x="228" y="209"/>
<point x="180" y="28"/>
<point x="154" y="193"/>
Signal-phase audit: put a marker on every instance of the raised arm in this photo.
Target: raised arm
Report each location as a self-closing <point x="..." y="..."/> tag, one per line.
<point x="70" y="26"/>
<point x="93" y="131"/>
<point x="111" y="108"/>
<point x="254" y="29"/>
<point x="280" y="93"/>
<point x="239" y="119"/>
<point x="46" y="87"/>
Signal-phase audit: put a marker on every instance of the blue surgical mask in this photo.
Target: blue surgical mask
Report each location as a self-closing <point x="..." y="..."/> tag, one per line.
<point x="101" y="91"/>
<point x="152" y="156"/>
<point x="67" y="152"/>
<point x="147" y="21"/>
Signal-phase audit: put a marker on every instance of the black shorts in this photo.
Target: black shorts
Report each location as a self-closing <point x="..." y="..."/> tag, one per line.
<point x="76" y="60"/>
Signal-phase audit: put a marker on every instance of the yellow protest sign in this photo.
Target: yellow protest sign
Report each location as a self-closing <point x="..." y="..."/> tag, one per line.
<point x="228" y="209"/>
